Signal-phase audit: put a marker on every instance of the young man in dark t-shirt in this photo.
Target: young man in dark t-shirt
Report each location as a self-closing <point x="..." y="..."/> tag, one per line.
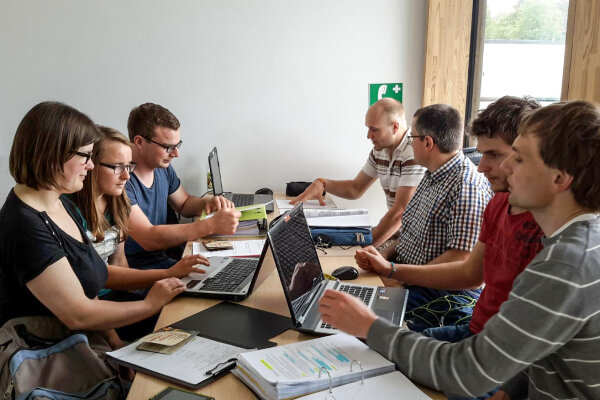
<point x="155" y="137"/>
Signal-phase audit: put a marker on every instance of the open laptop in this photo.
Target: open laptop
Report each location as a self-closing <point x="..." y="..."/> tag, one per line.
<point x="227" y="278"/>
<point x="303" y="281"/>
<point x="239" y="199"/>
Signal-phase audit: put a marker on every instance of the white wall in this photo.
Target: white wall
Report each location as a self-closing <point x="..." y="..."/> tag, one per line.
<point x="280" y="87"/>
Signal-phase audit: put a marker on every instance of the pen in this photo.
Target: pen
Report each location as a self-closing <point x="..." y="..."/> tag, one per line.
<point x="229" y="365"/>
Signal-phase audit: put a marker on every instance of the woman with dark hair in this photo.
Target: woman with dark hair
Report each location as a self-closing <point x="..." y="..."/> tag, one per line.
<point x="48" y="266"/>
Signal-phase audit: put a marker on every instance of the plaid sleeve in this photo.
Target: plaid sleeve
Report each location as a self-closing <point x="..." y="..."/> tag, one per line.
<point x="466" y="215"/>
<point x="370" y="167"/>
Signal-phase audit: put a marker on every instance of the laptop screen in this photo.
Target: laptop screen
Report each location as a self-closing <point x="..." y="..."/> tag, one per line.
<point x="215" y="172"/>
<point x="295" y="256"/>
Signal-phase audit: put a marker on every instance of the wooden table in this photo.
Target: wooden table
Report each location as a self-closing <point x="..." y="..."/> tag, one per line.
<point x="268" y="295"/>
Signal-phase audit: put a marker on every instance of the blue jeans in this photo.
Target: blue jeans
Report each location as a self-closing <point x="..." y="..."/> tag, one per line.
<point x="454" y="334"/>
<point x="431" y="308"/>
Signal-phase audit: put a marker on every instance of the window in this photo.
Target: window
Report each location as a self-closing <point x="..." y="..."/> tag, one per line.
<point x="522" y="51"/>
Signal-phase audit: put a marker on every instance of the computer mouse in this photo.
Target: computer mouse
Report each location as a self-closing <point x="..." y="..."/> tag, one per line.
<point x="264" y="191"/>
<point x="345" y="273"/>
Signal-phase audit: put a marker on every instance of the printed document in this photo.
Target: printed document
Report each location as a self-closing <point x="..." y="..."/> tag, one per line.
<point x="188" y="364"/>
<point x="241" y="248"/>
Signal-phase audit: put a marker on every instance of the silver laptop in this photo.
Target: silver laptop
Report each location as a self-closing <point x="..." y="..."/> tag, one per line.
<point x="303" y="281"/>
<point x="239" y="199"/>
<point x="227" y="278"/>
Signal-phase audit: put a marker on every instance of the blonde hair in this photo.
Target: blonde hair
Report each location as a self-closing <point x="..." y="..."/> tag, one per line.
<point x="86" y="199"/>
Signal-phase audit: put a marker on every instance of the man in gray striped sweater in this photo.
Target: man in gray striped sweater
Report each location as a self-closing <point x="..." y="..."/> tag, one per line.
<point x="544" y="343"/>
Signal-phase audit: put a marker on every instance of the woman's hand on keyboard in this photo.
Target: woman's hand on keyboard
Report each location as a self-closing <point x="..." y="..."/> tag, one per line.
<point x="188" y="264"/>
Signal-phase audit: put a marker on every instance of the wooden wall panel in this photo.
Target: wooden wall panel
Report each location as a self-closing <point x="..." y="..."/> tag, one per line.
<point x="581" y="79"/>
<point x="447" y="52"/>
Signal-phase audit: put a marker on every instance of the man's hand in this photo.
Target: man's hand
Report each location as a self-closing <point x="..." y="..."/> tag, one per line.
<point x="216" y="203"/>
<point x="164" y="291"/>
<point x="224" y="221"/>
<point x="186" y="265"/>
<point x="370" y="259"/>
<point x="346" y="312"/>
<point x="314" y="191"/>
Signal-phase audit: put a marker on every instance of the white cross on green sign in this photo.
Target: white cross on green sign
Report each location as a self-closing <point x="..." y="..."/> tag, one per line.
<point x="380" y="90"/>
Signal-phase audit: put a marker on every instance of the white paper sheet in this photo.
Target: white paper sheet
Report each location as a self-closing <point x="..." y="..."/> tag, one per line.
<point x="344" y="221"/>
<point x="188" y="364"/>
<point x="284" y="205"/>
<point x="241" y="248"/>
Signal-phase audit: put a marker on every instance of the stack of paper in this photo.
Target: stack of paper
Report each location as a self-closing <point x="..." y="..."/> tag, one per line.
<point x="253" y="218"/>
<point x="389" y="386"/>
<point x="293" y="370"/>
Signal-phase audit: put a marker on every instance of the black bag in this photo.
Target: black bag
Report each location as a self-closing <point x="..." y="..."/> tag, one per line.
<point x="293" y="189"/>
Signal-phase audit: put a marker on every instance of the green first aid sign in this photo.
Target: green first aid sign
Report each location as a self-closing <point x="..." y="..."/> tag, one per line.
<point x="380" y="90"/>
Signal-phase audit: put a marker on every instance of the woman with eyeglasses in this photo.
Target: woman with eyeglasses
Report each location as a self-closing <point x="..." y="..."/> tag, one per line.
<point x="104" y="207"/>
<point x="48" y="266"/>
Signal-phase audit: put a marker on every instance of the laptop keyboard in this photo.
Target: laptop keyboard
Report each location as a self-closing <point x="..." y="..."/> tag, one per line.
<point x="229" y="277"/>
<point x="363" y="293"/>
<point x="242" y="199"/>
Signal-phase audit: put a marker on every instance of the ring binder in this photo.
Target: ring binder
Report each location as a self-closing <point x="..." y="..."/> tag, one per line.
<point x="362" y="375"/>
<point x="330" y="382"/>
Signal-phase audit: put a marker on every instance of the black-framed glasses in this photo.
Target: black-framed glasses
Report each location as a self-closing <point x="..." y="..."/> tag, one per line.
<point x="119" y="168"/>
<point x="87" y="156"/>
<point x="168" y="147"/>
<point x="410" y="138"/>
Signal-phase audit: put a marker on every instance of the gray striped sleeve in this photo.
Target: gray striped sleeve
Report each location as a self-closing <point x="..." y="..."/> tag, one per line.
<point x="550" y="326"/>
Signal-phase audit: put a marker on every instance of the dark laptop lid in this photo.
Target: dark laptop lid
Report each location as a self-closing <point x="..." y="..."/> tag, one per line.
<point x="215" y="172"/>
<point x="296" y="259"/>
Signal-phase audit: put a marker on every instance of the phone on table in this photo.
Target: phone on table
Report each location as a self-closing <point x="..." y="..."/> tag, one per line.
<point x="170" y="393"/>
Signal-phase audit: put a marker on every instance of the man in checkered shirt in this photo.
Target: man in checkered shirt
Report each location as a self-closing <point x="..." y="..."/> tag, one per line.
<point x="441" y="222"/>
<point x="391" y="161"/>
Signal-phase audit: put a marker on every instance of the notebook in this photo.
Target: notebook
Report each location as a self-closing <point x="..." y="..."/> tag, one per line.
<point x="227" y="278"/>
<point x="239" y="199"/>
<point x="303" y="281"/>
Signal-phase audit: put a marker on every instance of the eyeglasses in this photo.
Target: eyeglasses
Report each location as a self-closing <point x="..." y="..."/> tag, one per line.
<point x="169" y="148"/>
<point x="409" y="138"/>
<point x="87" y="156"/>
<point x="119" y="168"/>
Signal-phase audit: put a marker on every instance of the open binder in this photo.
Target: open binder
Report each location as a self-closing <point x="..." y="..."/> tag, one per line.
<point x="393" y="385"/>
<point x="327" y="363"/>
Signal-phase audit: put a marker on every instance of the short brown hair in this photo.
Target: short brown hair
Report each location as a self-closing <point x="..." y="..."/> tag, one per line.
<point x="87" y="198"/>
<point x="569" y="136"/>
<point x="502" y="117"/>
<point x="47" y="137"/>
<point x="145" y="118"/>
<point x="443" y="123"/>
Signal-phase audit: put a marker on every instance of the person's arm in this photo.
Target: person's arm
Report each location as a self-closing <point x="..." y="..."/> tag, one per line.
<point x="452" y="270"/>
<point x="392" y="220"/>
<point x="348" y="189"/>
<point x="118" y="257"/>
<point x="158" y="237"/>
<point x="60" y="291"/>
<point x="452" y="275"/>
<point x="191" y="206"/>
<point x="120" y="278"/>
<point x="533" y="323"/>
